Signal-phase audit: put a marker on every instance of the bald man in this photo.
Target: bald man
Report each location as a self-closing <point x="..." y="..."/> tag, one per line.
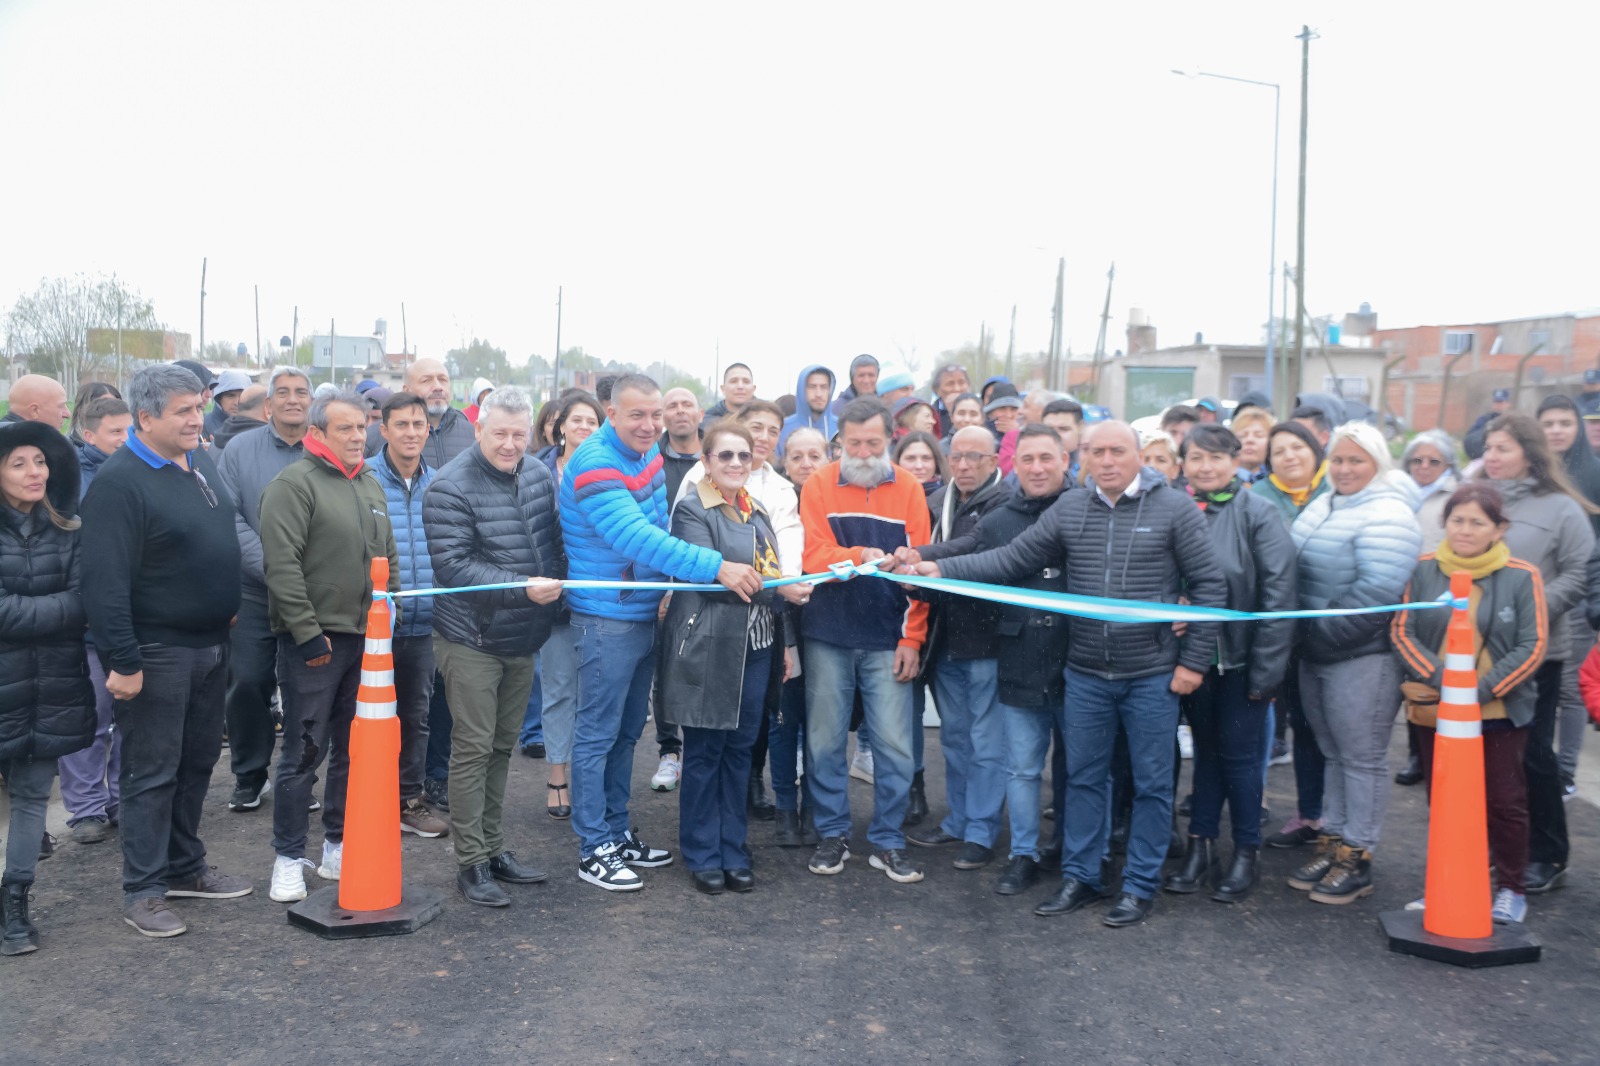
<point x="251" y="413"/>
<point x="680" y="444"/>
<point x="449" y="431"/>
<point x="36" y="398"/>
<point x="1129" y="536"/>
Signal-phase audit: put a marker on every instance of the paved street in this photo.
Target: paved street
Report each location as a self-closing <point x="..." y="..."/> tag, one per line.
<point x="805" y="969"/>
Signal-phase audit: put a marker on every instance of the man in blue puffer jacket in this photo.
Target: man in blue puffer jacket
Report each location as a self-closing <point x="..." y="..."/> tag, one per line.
<point x="614" y="522"/>
<point x="405" y="477"/>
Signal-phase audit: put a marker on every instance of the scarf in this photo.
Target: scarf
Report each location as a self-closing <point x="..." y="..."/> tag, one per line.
<point x="1479" y="566"/>
<point x="1220" y="496"/>
<point x="1300" y="496"/>
<point x="316" y="447"/>
<point x="743" y="508"/>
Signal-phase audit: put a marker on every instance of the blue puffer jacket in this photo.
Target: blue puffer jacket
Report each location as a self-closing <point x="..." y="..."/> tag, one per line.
<point x="410" y="541"/>
<point x="1355" y="551"/>
<point x="614" y="521"/>
<point x="89" y="460"/>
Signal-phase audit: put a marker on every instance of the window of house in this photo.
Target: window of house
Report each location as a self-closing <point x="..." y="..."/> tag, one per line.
<point x="1539" y="340"/>
<point x="1458" y="341"/>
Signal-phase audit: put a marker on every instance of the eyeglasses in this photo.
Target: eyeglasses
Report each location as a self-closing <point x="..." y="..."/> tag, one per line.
<point x="1420" y="461"/>
<point x="205" y="489"/>
<point x="970" y="457"/>
<point x="729" y="456"/>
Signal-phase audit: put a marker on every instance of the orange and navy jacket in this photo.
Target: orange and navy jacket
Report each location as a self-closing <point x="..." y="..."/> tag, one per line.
<point x="840" y="519"/>
<point x="1512" y="622"/>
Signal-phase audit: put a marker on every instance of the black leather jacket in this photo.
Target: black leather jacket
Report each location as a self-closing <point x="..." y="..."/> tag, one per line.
<point x="1257" y="559"/>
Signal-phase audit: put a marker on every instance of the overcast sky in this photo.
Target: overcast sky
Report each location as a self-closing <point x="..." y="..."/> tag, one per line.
<point x="843" y="178"/>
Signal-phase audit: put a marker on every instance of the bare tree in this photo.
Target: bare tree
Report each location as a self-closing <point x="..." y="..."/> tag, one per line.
<point x="51" y="324"/>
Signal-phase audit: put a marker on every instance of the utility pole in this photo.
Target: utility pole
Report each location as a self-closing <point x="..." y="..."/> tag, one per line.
<point x="1294" y="383"/>
<point x="1100" y="339"/>
<point x="258" y="326"/>
<point x="202" y="353"/>
<point x="119" y="335"/>
<point x="1011" y="344"/>
<point x="1053" y="365"/>
<point x="294" y="339"/>
<point x="405" y="340"/>
<point x="555" y="377"/>
<point x="333" y="341"/>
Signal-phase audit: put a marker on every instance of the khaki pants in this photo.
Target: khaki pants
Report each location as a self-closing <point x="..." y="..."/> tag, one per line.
<point x="487" y="696"/>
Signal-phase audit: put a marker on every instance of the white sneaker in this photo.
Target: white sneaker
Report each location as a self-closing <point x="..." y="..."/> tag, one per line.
<point x="1185" y="741"/>
<point x="1417" y="904"/>
<point x="607" y="869"/>
<point x="1509" y="907"/>
<point x="332" y="857"/>
<point x="667" y="774"/>
<point x="861" y="765"/>
<point x="288" y="879"/>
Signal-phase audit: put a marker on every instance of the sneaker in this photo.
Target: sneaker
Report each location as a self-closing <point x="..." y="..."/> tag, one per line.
<point x="861" y="765"/>
<point x="1419" y="904"/>
<point x="606" y="869"/>
<point x="895" y="863"/>
<point x="416" y="818"/>
<point x="332" y="860"/>
<point x="152" y="917"/>
<point x="436" y="790"/>
<point x="209" y="884"/>
<point x="670" y="769"/>
<point x="247" y="797"/>
<point x="830" y="856"/>
<point x="1281" y="755"/>
<point x="1509" y="907"/>
<point x="1185" y="741"/>
<point x="1569" y="786"/>
<point x="636" y="852"/>
<point x="288" y="879"/>
<point x="92" y="830"/>
<point x="534" y="750"/>
<point x="314" y="806"/>
<point x="1294" y="834"/>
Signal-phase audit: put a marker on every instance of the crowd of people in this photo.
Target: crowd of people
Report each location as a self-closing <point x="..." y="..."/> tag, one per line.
<point x="173" y="578"/>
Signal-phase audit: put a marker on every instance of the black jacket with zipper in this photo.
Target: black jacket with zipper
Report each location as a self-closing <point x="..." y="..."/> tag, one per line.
<point x="1152" y="547"/>
<point x="1257" y="559"/>
<point x="1032" y="644"/>
<point x="484" y="527"/>
<point x="961" y="627"/>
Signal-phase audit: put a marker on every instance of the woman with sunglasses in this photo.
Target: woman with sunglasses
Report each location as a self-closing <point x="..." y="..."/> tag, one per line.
<point x="718" y="658"/>
<point x="1430" y="461"/>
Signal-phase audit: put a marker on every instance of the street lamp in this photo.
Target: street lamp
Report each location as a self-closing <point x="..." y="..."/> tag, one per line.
<point x="1272" y="238"/>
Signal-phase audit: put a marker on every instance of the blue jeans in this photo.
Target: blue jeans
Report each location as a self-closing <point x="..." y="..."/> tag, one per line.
<point x="785" y="741"/>
<point x="832" y="676"/>
<point x="532" y="731"/>
<point x="558" y="670"/>
<point x="1228" y="737"/>
<point x="615" y="664"/>
<point x="972" y="735"/>
<point x="1147" y="710"/>
<point x="1028" y="733"/>
<point x="712" y="818"/>
<point x="919" y="739"/>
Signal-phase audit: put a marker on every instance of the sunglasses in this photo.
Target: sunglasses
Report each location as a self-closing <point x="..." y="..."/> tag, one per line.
<point x="729" y="456"/>
<point x="211" y="497"/>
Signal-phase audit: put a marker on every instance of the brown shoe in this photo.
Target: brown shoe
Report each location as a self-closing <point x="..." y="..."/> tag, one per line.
<point x="416" y="817"/>
<point x="152" y="917"/>
<point x="210" y="884"/>
<point x="1349" y="879"/>
<point x="1307" y="876"/>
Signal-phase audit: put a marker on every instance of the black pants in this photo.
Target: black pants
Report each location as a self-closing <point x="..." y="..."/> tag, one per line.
<point x="252" y="675"/>
<point x="171" y="738"/>
<point x="319" y="703"/>
<point x="1547" y="815"/>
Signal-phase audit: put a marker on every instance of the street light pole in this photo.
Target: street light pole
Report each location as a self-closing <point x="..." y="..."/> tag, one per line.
<point x="1306" y="36"/>
<point x="1272" y="229"/>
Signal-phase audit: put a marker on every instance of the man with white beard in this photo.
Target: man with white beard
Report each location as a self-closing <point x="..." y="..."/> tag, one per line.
<point x="861" y="635"/>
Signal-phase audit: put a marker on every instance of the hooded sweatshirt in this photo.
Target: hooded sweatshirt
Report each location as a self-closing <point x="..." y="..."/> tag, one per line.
<point x="849" y="392"/>
<point x="825" y="423"/>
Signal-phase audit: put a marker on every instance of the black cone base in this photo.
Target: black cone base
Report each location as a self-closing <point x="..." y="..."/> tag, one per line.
<point x="1508" y="944"/>
<point x="320" y="912"/>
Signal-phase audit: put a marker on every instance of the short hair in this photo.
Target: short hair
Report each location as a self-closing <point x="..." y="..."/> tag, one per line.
<point x="640" y="383"/>
<point x="97" y="411"/>
<point x="864" y="409"/>
<point x="726" y="425"/>
<point x="285" y="371"/>
<point x="918" y="436"/>
<point x="605" y="386"/>
<point x="1064" y="406"/>
<point x="1246" y="416"/>
<point x="1210" y="437"/>
<point x="320" y="405"/>
<point x="1037" y="429"/>
<point x="511" y="399"/>
<point x="150" y="388"/>
<point x="1177" y="413"/>
<point x="738" y="366"/>
<point x="88" y="392"/>
<point x="1159" y="436"/>
<point x="253" y="398"/>
<point x="755" y="407"/>
<point x="399" y="402"/>
<point x="949" y="368"/>
<point x="1482" y="493"/>
<point x="1315" y="415"/>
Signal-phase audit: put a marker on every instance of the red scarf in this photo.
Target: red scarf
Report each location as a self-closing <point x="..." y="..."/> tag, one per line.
<point x="313" y="446"/>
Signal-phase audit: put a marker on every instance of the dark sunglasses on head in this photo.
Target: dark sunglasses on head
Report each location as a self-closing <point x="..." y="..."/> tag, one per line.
<point x="730" y="456"/>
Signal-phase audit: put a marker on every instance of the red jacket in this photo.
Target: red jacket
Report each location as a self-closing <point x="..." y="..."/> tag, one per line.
<point x="1589" y="683"/>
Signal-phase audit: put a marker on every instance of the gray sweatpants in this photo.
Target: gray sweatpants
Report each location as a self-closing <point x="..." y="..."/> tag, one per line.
<point x="1572" y="719"/>
<point x="1351" y="707"/>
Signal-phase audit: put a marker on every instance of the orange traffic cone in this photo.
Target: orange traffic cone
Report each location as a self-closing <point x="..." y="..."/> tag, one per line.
<point x="370" y="899"/>
<point x="1455" y="925"/>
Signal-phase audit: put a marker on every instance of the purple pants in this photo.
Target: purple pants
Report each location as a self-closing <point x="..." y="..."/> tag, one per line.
<point x="89" y="785"/>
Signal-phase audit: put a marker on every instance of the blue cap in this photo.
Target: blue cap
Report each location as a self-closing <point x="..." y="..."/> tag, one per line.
<point x="891" y="378"/>
<point x="1502" y="395"/>
<point x="1591" y="377"/>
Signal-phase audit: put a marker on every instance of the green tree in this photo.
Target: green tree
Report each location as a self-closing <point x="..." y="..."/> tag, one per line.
<point x="479" y="359"/>
<point x="51" y="324"/>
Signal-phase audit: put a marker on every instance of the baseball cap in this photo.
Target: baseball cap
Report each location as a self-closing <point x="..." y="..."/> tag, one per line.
<point x="1502" y="395"/>
<point x="1591" y="377"/>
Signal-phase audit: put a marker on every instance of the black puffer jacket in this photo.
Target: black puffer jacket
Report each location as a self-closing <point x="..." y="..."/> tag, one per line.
<point x="46" y="703"/>
<point x="1032" y="644"/>
<point x="1151" y="547"/>
<point x="485" y="527"/>
<point x="959" y="626"/>
<point x="1257" y="557"/>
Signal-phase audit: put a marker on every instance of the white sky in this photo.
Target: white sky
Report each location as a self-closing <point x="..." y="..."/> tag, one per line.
<point x="802" y="186"/>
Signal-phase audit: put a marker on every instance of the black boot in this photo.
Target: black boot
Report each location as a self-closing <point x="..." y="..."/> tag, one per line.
<point x="20" y="935"/>
<point x="762" y="808"/>
<point x="1411" y="773"/>
<point x="808" y="828"/>
<point x="1201" y="867"/>
<point x="786" y="833"/>
<point x="917" y="805"/>
<point x="1244" y="873"/>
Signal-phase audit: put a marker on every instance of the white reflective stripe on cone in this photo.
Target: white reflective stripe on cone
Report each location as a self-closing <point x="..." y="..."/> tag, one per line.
<point x="376" y="710"/>
<point x="1459" y="730"/>
<point x="1457" y="661"/>
<point x="377" y="678"/>
<point x="378" y="647"/>
<point x="1461" y="697"/>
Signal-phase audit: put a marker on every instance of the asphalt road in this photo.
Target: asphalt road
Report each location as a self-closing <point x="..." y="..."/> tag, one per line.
<point x="805" y="969"/>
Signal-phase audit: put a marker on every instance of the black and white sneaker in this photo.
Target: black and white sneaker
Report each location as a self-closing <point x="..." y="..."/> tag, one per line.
<point x="893" y="861"/>
<point x="830" y="856"/>
<point x="606" y="869"/>
<point x="247" y="797"/>
<point x="636" y="852"/>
